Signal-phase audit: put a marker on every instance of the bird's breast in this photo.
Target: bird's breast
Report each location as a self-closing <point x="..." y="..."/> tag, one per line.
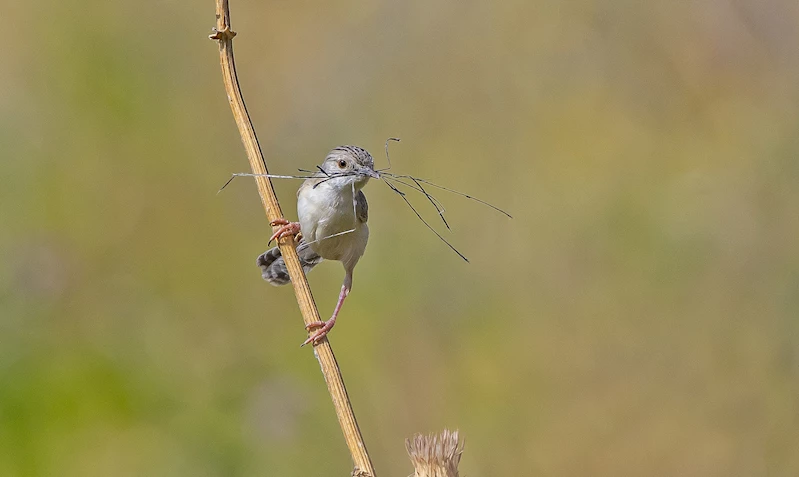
<point x="329" y="223"/>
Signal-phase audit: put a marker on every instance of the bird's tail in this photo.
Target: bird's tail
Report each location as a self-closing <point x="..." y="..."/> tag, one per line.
<point x="273" y="268"/>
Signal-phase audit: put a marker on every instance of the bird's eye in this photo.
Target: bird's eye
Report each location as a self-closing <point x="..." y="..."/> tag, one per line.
<point x="342" y="163"/>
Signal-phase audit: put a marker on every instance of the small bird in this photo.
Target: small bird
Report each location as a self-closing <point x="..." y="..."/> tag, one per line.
<point x="332" y="213"/>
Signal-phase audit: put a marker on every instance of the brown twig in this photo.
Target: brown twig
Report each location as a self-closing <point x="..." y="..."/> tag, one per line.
<point x="324" y="353"/>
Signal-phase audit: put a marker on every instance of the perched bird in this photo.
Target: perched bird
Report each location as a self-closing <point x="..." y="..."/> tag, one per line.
<point x="332" y="213"/>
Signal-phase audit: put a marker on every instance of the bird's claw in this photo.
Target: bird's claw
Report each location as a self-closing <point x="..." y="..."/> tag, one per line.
<point x="324" y="328"/>
<point x="287" y="229"/>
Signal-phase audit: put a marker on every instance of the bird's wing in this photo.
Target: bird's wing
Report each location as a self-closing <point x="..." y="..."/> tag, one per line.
<point x="361" y="207"/>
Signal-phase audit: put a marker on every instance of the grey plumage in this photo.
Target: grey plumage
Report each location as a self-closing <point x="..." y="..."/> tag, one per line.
<point x="332" y="212"/>
<point x="361" y="207"/>
<point x="273" y="268"/>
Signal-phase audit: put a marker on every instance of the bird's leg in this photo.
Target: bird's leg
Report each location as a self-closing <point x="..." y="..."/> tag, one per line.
<point x="323" y="327"/>
<point x="287" y="229"/>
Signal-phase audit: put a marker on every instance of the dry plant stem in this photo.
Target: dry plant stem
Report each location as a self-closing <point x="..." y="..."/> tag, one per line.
<point x="324" y="353"/>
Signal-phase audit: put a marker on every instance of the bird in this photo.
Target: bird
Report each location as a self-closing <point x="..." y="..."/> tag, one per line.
<point x="332" y="212"/>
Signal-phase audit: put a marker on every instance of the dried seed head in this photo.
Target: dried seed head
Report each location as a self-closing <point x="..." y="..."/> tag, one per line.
<point x="435" y="455"/>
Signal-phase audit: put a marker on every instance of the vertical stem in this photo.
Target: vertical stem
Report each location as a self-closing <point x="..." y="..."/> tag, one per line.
<point x="324" y="353"/>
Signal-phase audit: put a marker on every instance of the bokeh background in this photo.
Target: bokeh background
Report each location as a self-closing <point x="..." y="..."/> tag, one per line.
<point x="638" y="316"/>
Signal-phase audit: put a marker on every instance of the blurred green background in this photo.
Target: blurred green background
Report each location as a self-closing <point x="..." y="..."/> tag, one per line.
<point x="638" y="316"/>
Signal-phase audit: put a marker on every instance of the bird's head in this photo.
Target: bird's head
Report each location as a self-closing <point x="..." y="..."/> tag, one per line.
<point x="348" y="166"/>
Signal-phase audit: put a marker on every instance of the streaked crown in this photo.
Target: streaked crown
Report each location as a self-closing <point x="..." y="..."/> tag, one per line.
<point x="359" y="155"/>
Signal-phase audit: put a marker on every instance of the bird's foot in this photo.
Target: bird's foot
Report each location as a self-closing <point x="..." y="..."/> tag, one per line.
<point x="322" y="328"/>
<point x="288" y="229"/>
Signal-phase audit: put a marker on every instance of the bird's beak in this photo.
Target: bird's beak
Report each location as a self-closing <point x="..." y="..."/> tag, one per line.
<point x="371" y="173"/>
